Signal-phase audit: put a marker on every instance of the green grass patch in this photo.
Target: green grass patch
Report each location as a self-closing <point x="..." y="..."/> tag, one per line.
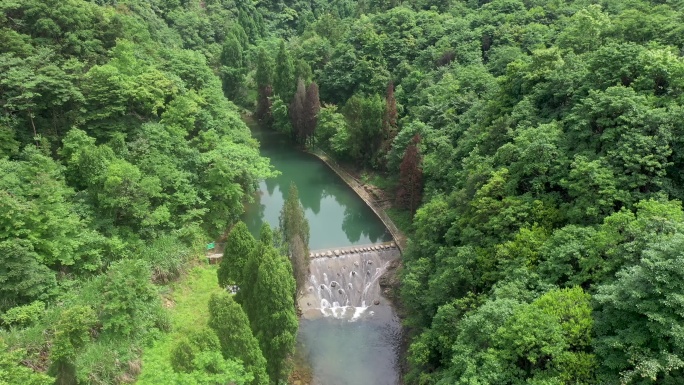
<point x="383" y="182"/>
<point x="402" y="219"/>
<point x="191" y="296"/>
<point x="188" y="301"/>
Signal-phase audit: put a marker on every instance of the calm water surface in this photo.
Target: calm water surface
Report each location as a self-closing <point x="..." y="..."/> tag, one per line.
<point x="363" y="352"/>
<point x="337" y="217"/>
<point x="340" y="352"/>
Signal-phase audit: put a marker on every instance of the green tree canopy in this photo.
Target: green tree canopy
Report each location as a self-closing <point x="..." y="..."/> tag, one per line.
<point x="284" y="73"/>
<point x="239" y="246"/>
<point x="230" y="323"/>
<point x="637" y="332"/>
<point x="295" y="228"/>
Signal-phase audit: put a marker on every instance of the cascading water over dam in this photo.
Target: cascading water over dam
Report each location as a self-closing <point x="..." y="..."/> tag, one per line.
<point x="344" y="283"/>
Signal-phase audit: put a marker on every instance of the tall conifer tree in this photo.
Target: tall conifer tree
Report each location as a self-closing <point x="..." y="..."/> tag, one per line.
<point x="275" y="318"/>
<point x="268" y="298"/>
<point x="295" y="229"/>
<point x="264" y="82"/>
<point x="284" y="77"/>
<point x="231" y="325"/>
<point x="411" y="177"/>
<point x="239" y="246"/>
<point x="232" y="67"/>
<point x="297" y="112"/>
<point x="250" y="272"/>
<point x="389" y="121"/>
<point x="312" y="107"/>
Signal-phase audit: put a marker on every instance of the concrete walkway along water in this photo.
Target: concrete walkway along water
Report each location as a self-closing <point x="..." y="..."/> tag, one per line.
<point x="358" y="187"/>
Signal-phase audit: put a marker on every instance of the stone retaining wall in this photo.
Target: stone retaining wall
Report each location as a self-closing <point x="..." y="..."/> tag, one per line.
<point x="329" y="253"/>
<point x="357" y="186"/>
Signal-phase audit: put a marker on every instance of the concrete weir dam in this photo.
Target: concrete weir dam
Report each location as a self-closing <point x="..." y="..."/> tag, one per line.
<point x="345" y="282"/>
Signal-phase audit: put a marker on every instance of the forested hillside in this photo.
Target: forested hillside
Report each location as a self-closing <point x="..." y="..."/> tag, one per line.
<point x="538" y="142"/>
<point x="120" y="158"/>
<point x="547" y="137"/>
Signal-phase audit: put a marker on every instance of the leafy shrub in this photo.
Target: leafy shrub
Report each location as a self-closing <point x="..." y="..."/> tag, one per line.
<point x="182" y="355"/>
<point x="185" y="352"/>
<point x="167" y="257"/>
<point x="106" y="361"/>
<point x="130" y="301"/>
<point x="12" y="372"/>
<point x="23" y="315"/>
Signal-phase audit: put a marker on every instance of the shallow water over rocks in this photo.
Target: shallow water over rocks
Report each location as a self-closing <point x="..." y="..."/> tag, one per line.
<point x="353" y="353"/>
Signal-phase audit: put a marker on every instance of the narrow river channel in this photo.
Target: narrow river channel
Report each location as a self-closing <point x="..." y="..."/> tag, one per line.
<point x="339" y="351"/>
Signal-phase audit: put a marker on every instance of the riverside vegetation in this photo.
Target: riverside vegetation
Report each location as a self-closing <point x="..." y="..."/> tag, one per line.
<point x="536" y="143"/>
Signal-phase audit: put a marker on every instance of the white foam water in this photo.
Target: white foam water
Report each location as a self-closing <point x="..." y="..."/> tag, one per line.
<point x="345" y="287"/>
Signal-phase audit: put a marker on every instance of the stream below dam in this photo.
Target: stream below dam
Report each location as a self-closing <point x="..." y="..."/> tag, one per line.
<point x="348" y="333"/>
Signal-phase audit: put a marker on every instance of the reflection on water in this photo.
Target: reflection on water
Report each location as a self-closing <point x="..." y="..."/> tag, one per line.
<point x="353" y="353"/>
<point x="337" y="217"/>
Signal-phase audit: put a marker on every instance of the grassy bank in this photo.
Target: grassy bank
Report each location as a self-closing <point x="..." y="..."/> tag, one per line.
<point x="403" y="219"/>
<point x="186" y="301"/>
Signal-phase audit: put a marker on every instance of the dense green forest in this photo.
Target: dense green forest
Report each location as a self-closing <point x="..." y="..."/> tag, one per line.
<point x="541" y="140"/>
<point x="120" y="159"/>
<point x="537" y="144"/>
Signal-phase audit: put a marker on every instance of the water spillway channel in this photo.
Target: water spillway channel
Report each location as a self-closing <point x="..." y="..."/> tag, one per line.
<point x="348" y="332"/>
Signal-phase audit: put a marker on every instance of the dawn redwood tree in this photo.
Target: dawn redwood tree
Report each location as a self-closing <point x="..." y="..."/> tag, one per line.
<point x="263" y="108"/>
<point x="411" y="177"/>
<point x="389" y="120"/>
<point x="312" y="107"/>
<point x="239" y="246"/>
<point x="299" y="257"/>
<point x="264" y="82"/>
<point x="295" y="229"/>
<point x="232" y="67"/>
<point x="284" y="76"/>
<point x="364" y="122"/>
<point x="264" y="69"/>
<point x="231" y="53"/>
<point x="297" y="112"/>
<point x="246" y="295"/>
